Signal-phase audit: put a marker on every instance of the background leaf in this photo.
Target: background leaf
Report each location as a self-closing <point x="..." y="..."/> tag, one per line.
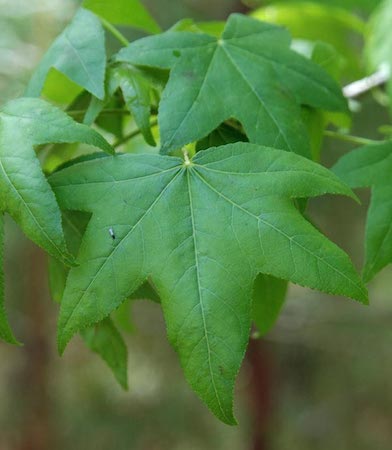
<point x="316" y="22"/>
<point x="372" y="166"/>
<point x="105" y="340"/>
<point x="124" y="12"/>
<point x="269" y="294"/>
<point x="24" y="192"/>
<point x="5" y="330"/>
<point x="79" y="53"/>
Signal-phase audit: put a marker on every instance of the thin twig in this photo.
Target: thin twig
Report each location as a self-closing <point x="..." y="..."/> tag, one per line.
<point x="349" y="138"/>
<point x="81" y="112"/>
<point x="131" y="135"/>
<point x="117" y="34"/>
<point x="366" y="84"/>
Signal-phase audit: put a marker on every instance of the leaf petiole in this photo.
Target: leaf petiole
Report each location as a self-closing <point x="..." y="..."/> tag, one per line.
<point x="349" y="138"/>
<point x="116" y="33"/>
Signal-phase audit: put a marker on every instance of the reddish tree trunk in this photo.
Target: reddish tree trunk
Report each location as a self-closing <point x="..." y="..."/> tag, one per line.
<point x="36" y="429"/>
<point x="260" y="392"/>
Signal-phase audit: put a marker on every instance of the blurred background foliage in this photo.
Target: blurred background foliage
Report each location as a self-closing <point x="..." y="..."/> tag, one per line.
<point x="320" y="380"/>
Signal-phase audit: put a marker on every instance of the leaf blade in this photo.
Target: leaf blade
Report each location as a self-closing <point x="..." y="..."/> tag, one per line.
<point x="79" y="53"/>
<point x="271" y="82"/>
<point x="204" y="277"/>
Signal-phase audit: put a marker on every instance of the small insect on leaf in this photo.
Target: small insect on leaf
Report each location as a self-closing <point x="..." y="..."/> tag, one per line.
<point x="111" y="232"/>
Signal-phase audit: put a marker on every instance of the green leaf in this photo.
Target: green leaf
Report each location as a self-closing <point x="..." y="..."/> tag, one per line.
<point x="137" y="93"/>
<point x="201" y="231"/>
<point x="224" y="134"/>
<point x="79" y="53"/>
<point x="59" y="89"/>
<point x="24" y="192"/>
<point x="105" y="340"/>
<point x="212" y="28"/>
<point x="333" y="25"/>
<point x="5" y="330"/>
<point x="379" y="41"/>
<point x="124" y="12"/>
<point x="269" y="294"/>
<point x="379" y="36"/>
<point x="372" y="166"/>
<point x="270" y="80"/>
<point x="364" y="5"/>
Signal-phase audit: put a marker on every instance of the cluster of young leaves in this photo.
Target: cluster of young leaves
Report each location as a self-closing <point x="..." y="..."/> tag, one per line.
<point x="213" y="232"/>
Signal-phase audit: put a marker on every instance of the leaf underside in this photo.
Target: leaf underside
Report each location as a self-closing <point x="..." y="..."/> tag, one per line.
<point x="202" y="262"/>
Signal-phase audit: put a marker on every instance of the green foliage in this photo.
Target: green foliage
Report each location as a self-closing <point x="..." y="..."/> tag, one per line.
<point x="123" y="12"/>
<point x="372" y="166"/>
<point x="25" y="193"/>
<point x="215" y="235"/>
<point x="79" y="53"/>
<point x="380" y="36"/>
<point x="204" y="285"/>
<point x="105" y="340"/>
<point x="364" y="5"/>
<point x="269" y="294"/>
<point x="314" y="22"/>
<point x="271" y="81"/>
<point x="379" y="44"/>
<point x="5" y="330"/>
<point x="137" y="93"/>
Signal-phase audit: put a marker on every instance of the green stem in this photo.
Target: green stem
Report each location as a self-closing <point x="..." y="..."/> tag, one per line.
<point x="117" y="34"/>
<point x="131" y="135"/>
<point x="349" y="138"/>
<point x="81" y="112"/>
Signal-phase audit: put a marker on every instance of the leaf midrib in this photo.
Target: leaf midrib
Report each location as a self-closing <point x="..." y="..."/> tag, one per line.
<point x="196" y="253"/>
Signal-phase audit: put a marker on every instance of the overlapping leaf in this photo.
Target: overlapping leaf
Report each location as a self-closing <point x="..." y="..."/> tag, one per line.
<point x="79" y="53"/>
<point x="372" y="166"/>
<point x="271" y="81"/>
<point x="124" y="12"/>
<point x="269" y="294"/>
<point x="364" y="5"/>
<point x="201" y="231"/>
<point x="24" y="192"/>
<point x="105" y="340"/>
<point x="136" y="91"/>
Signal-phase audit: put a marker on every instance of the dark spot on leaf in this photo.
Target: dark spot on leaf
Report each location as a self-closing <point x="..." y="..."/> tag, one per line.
<point x="176" y="53"/>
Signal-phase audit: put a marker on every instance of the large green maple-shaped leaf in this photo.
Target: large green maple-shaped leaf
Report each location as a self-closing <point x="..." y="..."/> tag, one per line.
<point x="124" y="12"/>
<point x="372" y="166"/>
<point x="79" y="53"/>
<point x="201" y="231"/>
<point x="271" y="81"/>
